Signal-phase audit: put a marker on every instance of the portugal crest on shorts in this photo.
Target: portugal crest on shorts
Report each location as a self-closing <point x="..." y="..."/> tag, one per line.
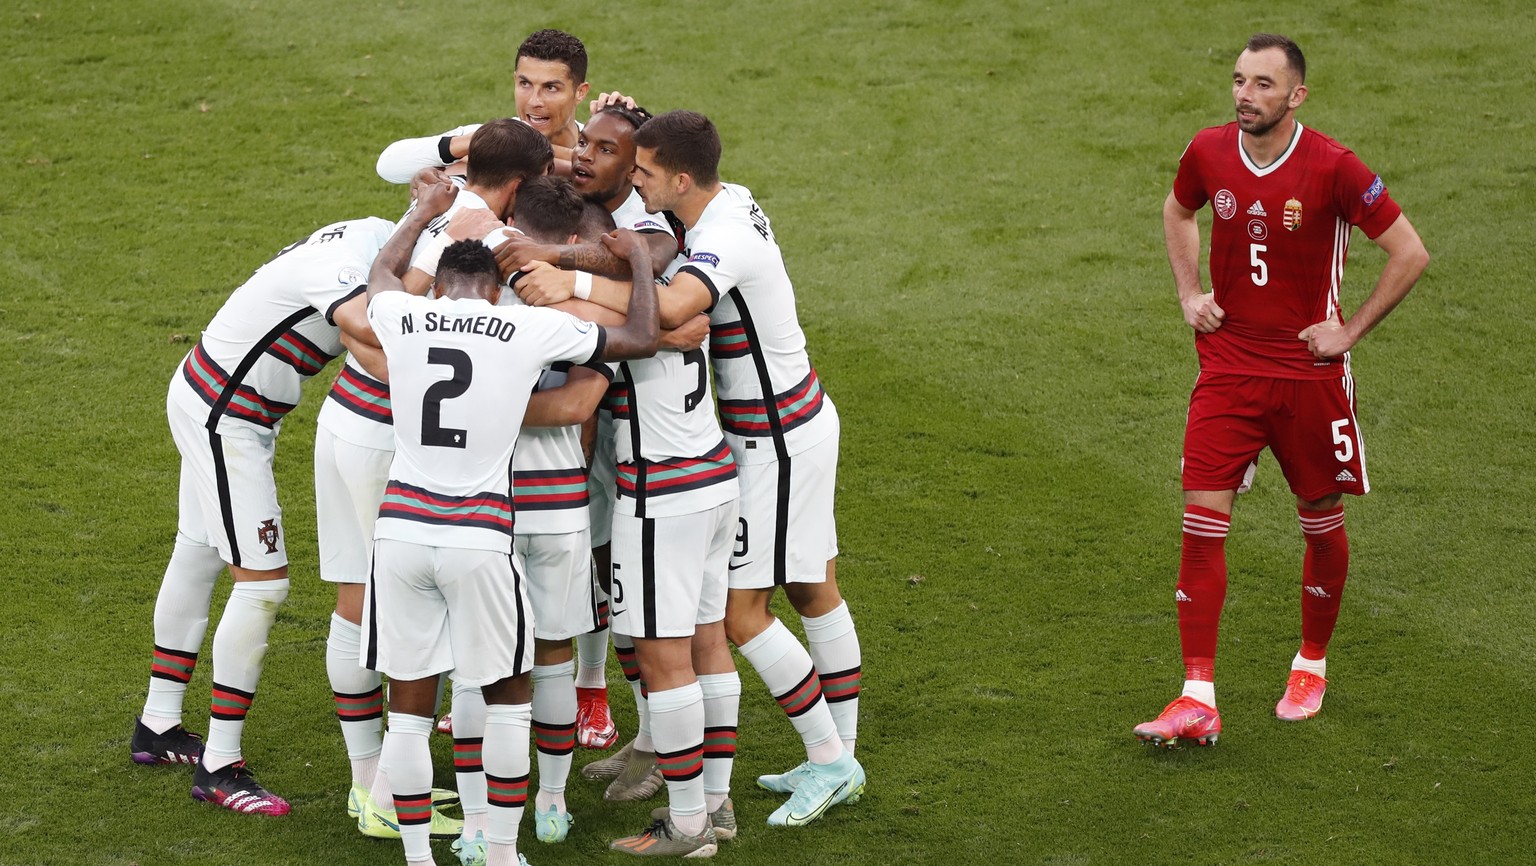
<point x="266" y="533"/>
<point x="1292" y="215"/>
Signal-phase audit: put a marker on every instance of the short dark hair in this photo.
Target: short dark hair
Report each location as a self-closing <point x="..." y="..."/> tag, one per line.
<point x="1293" y="58"/>
<point x="548" y="209"/>
<point x="596" y="221"/>
<point x="635" y="117"/>
<point x="684" y="141"/>
<point x="505" y="150"/>
<point x="468" y="258"/>
<point x="556" y="45"/>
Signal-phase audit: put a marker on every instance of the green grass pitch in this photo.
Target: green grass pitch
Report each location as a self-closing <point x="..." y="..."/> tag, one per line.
<point x="968" y="196"/>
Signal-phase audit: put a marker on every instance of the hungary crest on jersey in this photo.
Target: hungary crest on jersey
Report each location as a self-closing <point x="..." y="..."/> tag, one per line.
<point x="1292" y="215"/>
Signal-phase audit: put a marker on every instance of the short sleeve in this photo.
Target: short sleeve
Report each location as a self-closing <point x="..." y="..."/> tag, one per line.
<point x="1362" y="198"/>
<point x="1188" y="184"/>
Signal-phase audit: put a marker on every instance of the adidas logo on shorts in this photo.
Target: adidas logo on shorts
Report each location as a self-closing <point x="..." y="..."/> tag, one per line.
<point x="1345" y="475"/>
<point x="1178" y="595"/>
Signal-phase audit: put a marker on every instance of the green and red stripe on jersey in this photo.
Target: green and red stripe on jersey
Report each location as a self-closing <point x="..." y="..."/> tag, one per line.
<point x="506" y="793"/>
<point x="549" y="489"/>
<point x="230" y="704"/>
<point x="676" y="474"/>
<point x="173" y="665"/>
<point x="414" y="808"/>
<point x="616" y="400"/>
<point x="484" y="510"/>
<point x="682" y="765"/>
<point x="467" y="754"/>
<point x="841" y="686"/>
<point x="793" y="407"/>
<point x="360" y="707"/>
<point x="802" y="697"/>
<point x="554" y="739"/>
<point x="295" y="350"/>
<point x="363" y="395"/>
<point x="720" y="742"/>
<point x="211" y="383"/>
<point x="729" y="340"/>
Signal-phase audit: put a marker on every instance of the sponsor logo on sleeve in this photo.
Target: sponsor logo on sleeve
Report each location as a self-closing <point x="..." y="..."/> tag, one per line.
<point x="350" y="276"/>
<point x="582" y="325"/>
<point x="1375" y="192"/>
<point x="706" y="258"/>
<point x="1226" y="203"/>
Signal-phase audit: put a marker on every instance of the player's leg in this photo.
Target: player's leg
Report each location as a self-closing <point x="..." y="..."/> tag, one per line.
<point x="595" y="728"/>
<point x="658" y="581"/>
<point x="716" y="672"/>
<point x="1323" y="455"/>
<point x="560" y="583"/>
<point x="1223" y="434"/>
<point x="491" y="629"/>
<point x="407" y="760"/>
<point x="349" y="485"/>
<point x="833" y="643"/>
<point x="181" y="606"/>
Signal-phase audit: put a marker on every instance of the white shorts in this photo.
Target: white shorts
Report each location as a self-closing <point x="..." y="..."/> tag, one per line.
<point x="769" y="553"/>
<point x="602" y="481"/>
<point x="349" y="485"/>
<point x="432" y="610"/>
<point x="228" y="496"/>
<point x="669" y="572"/>
<point x="559" y="583"/>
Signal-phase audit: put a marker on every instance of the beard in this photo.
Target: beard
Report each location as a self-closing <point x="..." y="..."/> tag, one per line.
<point x="1262" y="124"/>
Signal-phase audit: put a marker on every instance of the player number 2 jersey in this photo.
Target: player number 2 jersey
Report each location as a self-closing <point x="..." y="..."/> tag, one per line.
<point x="460" y="375"/>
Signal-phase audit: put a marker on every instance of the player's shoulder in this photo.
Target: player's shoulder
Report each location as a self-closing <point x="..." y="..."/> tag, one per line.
<point x="1214" y="138"/>
<point x="1325" y="146"/>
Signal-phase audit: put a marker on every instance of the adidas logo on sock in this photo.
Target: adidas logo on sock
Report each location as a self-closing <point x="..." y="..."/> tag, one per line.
<point x="1345" y="475"/>
<point x="1257" y="209"/>
<point x="1178" y="595"/>
<point x="1317" y="591"/>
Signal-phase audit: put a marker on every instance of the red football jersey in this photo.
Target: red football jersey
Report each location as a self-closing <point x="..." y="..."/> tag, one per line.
<point x="1279" y="239"/>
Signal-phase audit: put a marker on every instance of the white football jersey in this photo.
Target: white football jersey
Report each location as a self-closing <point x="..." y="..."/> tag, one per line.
<point x="460" y="375"/>
<point x="276" y="330"/>
<point x="356" y="409"/>
<point x="771" y="403"/>
<point x="633" y="215"/>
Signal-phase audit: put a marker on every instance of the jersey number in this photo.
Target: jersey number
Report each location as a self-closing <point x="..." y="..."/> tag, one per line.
<point x="1346" y="445"/>
<point x="693" y="398"/>
<point x="432" y="431"/>
<point x="616" y="594"/>
<point x="1260" y="273"/>
<point x="741" y="539"/>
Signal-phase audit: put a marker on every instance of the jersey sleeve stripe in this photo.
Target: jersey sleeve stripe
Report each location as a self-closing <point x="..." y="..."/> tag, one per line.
<point x="714" y="293"/>
<point x="362" y="395"/>
<point x="330" y="312"/>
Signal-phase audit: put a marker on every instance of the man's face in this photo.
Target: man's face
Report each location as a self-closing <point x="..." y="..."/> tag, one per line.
<point x="604" y="158"/>
<point x="546" y="96"/>
<point x="1264" y="88"/>
<point x="657" y="186"/>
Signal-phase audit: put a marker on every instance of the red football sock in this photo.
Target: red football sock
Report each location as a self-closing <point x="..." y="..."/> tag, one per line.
<point x="1322" y="577"/>
<point x="1202" y="588"/>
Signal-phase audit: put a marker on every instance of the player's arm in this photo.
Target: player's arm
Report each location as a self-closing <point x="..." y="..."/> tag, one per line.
<point x="402" y="159"/>
<point x="640" y="334"/>
<point x="571" y="403"/>
<point x="1182" y="235"/>
<point x="393" y="259"/>
<point x="1406" y="261"/>
<point x="358" y="337"/>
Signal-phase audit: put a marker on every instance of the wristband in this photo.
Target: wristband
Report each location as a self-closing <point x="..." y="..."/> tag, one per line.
<point x="583" y="287"/>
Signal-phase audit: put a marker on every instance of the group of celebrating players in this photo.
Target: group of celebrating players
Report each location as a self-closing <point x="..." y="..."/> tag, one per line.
<point x="581" y="326"/>
<point x="602" y="280"/>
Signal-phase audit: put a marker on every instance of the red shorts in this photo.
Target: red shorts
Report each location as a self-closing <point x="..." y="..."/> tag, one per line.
<point x="1308" y="424"/>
